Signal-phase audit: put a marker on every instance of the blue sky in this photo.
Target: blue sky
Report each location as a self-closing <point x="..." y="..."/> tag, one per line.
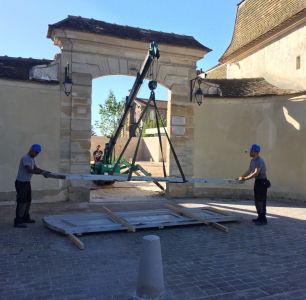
<point x="24" y="26"/>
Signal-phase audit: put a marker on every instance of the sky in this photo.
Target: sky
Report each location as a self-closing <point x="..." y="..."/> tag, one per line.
<point x="24" y="26"/>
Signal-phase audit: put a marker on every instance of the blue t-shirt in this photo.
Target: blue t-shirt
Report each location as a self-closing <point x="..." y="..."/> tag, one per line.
<point x="258" y="163"/>
<point x="23" y="174"/>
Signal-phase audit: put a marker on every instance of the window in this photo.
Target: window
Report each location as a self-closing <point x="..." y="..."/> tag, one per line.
<point x="298" y="62"/>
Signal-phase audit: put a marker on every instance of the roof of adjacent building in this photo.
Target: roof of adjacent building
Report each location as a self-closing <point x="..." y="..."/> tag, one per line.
<point x="218" y="71"/>
<point x="257" y="20"/>
<point x="249" y="87"/>
<point x="18" y="68"/>
<point x="126" y="32"/>
<point x="161" y="104"/>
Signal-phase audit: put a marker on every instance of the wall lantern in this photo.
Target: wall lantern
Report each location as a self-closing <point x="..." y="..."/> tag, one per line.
<point x="67" y="81"/>
<point x="198" y="96"/>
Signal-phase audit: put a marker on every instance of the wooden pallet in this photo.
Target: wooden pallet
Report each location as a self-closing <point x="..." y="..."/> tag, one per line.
<point x="80" y="223"/>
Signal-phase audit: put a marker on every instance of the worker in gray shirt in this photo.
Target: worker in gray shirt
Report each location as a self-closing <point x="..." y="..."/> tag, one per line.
<point x="257" y="170"/>
<point x="27" y="168"/>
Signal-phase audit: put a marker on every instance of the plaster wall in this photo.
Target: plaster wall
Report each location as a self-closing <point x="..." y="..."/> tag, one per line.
<point x="29" y="114"/>
<point x="224" y="130"/>
<point x="276" y="62"/>
<point x="151" y="149"/>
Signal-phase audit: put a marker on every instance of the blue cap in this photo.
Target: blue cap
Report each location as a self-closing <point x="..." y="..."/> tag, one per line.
<point x="36" y="148"/>
<point x="255" y="148"/>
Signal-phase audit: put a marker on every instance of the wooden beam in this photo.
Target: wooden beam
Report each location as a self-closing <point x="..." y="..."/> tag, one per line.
<point x="217" y="210"/>
<point x="119" y="219"/>
<point x="76" y="241"/>
<point x="191" y="215"/>
<point x="157" y="183"/>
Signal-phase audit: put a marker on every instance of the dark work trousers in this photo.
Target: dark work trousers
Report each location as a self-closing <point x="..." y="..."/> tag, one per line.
<point x="260" y="196"/>
<point x="23" y="198"/>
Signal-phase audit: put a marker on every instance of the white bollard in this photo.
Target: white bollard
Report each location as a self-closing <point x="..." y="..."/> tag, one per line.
<point x="150" y="284"/>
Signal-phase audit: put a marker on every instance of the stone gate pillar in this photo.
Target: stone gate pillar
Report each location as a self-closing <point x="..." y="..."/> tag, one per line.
<point x="180" y="126"/>
<point x="75" y="127"/>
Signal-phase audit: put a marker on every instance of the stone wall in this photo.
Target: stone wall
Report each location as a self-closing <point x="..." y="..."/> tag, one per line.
<point x="224" y="130"/>
<point x="29" y="114"/>
<point x="211" y="140"/>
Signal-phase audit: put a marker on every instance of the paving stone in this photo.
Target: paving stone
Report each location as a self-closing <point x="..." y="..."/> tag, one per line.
<point x="248" y="262"/>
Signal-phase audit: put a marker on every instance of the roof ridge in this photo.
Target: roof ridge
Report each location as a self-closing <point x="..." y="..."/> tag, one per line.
<point x="24" y="58"/>
<point x="257" y="86"/>
<point x="236" y="46"/>
<point x="78" y="23"/>
<point x="127" y="26"/>
<point x="141" y="98"/>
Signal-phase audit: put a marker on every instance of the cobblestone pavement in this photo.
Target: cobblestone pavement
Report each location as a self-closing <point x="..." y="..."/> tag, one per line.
<point x="200" y="262"/>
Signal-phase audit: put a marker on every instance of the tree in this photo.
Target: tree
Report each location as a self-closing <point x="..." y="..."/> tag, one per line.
<point x="153" y="124"/>
<point x="110" y="113"/>
<point x="93" y="133"/>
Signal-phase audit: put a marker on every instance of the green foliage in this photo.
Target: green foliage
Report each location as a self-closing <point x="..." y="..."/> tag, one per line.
<point x="110" y="113"/>
<point x="153" y="124"/>
<point x="93" y="133"/>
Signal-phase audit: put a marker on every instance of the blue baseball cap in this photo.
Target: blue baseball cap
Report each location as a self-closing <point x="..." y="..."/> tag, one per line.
<point x="36" y="148"/>
<point x="255" y="148"/>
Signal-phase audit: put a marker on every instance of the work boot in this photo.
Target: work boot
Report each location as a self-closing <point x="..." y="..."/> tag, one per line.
<point x="255" y="220"/>
<point x="28" y="220"/>
<point x="261" y="222"/>
<point x="19" y="225"/>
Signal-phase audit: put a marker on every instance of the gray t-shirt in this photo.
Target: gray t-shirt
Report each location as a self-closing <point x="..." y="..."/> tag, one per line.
<point x="258" y="162"/>
<point x="23" y="174"/>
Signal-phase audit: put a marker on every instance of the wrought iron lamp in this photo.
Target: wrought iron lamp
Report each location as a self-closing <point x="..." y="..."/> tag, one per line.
<point x="198" y="96"/>
<point x="67" y="81"/>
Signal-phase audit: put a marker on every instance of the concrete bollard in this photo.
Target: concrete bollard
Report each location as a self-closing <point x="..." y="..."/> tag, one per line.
<point x="150" y="284"/>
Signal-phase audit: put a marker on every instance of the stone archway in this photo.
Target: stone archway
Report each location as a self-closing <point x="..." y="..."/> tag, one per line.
<point x="95" y="48"/>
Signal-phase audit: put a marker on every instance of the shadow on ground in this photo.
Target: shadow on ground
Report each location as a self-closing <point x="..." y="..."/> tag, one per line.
<point x="200" y="262"/>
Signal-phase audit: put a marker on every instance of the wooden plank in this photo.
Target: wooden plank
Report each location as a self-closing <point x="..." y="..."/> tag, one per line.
<point x="119" y="219"/>
<point x="217" y="210"/>
<point x="185" y="213"/>
<point x="76" y="241"/>
<point x="219" y="226"/>
<point x="157" y="183"/>
<point x="195" y="217"/>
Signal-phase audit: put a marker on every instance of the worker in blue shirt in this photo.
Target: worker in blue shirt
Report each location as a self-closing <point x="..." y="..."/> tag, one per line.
<point x="27" y="167"/>
<point x="257" y="170"/>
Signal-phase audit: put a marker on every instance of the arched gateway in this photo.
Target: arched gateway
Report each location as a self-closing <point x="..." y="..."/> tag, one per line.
<point x="95" y="48"/>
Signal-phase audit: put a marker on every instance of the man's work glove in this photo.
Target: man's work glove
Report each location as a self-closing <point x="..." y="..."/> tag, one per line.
<point x="46" y="174"/>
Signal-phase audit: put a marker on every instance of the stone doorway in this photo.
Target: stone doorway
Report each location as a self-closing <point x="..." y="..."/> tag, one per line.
<point x="94" y="48"/>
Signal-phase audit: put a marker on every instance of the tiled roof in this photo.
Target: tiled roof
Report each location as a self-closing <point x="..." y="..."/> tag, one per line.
<point x="160" y="103"/>
<point x="257" y="20"/>
<point x="126" y="32"/>
<point x="249" y="87"/>
<point x="218" y="71"/>
<point x="18" y="68"/>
